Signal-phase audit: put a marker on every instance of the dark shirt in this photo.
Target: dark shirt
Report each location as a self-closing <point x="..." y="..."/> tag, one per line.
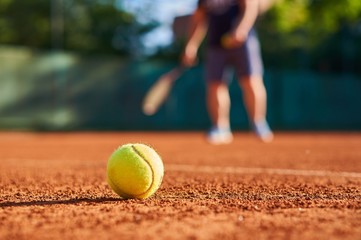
<point x="223" y="15"/>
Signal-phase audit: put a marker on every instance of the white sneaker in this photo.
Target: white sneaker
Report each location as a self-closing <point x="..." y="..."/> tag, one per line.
<point x="218" y="136"/>
<point x="263" y="131"/>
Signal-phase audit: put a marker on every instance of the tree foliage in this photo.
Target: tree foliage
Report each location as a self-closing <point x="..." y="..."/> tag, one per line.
<point x="86" y="26"/>
<point x="297" y="32"/>
<point x="301" y="32"/>
<point x="25" y="22"/>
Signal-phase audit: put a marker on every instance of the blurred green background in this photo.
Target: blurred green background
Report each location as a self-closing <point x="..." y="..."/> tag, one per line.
<point x="86" y="65"/>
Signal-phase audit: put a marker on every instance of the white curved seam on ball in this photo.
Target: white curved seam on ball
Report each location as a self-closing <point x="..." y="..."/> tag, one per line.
<point x="150" y="166"/>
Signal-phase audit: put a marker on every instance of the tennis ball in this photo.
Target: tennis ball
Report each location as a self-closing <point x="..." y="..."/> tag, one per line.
<point x="225" y="41"/>
<point x="135" y="171"/>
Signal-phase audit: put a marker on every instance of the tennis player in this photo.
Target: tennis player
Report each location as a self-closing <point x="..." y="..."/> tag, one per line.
<point x="231" y="43"/>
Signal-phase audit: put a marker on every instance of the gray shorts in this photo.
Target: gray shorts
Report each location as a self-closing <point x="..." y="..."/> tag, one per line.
<point x="246" y="60"/>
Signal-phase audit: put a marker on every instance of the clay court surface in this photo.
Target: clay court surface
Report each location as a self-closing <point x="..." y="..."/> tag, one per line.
<point x="301" y="186"/>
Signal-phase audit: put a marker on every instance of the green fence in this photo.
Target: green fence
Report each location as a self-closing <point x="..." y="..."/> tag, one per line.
<point x="63" y="91"/>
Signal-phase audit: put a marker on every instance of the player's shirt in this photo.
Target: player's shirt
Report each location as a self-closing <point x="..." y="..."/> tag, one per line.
<point x="222" y="18"/>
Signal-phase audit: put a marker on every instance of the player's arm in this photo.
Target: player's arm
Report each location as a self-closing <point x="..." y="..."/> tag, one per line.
<point x="197" y="32"/>
<point x="251" y="8"/>
<point x="265" y="5"/>
<point x="240" y="33"/>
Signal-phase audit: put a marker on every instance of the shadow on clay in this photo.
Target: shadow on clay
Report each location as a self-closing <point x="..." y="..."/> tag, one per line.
<point x="63" y="202"/>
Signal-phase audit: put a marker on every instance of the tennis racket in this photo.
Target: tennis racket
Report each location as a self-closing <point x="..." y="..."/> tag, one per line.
<point x="160" y="90"/>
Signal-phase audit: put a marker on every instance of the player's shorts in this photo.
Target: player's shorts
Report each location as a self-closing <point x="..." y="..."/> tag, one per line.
<point x="246" y="60"/>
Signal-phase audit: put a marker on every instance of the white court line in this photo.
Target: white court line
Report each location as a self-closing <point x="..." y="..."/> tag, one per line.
<point x="207" y="169"/>
<point x="271" y="171"/>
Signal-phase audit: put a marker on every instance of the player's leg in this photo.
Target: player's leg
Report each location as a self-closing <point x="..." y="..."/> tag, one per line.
<point x="218" y="103"/>
<point x="218" y="99"/>
<point x="249" y="66"/>
<point x="255" y="101"/>
<point x="254" y="97"/>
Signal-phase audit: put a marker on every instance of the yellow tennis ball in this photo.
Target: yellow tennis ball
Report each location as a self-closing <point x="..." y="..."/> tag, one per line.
<point x="225" y="41"/>
<point x="135" y="171"/>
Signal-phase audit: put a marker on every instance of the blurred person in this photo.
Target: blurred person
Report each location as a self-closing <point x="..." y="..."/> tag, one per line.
<point x="231" y="42"/>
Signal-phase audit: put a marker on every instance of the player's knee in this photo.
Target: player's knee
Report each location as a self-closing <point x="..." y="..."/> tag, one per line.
<point x="251" y="82"/>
